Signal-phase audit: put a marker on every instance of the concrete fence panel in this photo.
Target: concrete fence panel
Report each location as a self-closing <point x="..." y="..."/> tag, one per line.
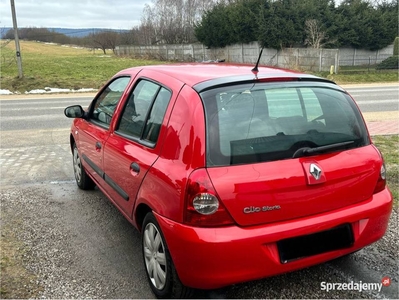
<point x="307" y="59"/>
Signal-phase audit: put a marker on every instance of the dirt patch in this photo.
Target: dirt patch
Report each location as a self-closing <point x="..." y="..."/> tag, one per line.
<point x="16" y="281"/>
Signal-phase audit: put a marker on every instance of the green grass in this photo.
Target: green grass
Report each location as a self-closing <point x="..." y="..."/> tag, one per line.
<point x="389" y="146"/>
<point x="348" y="75"/>
<point x="361" y="74"/>
<point x="49" y="65"/>
<point x="55" y="66"/>
<point x="368" y="77"/>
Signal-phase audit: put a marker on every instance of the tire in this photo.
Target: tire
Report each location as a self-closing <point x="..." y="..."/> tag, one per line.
<point x="158" y="264"/>
<point x="83" y="180"/>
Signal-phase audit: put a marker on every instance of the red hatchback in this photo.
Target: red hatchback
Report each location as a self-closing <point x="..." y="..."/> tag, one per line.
<point x="231" y="176"/>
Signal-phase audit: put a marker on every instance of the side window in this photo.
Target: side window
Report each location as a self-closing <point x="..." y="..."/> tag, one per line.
<point x="106" y="102"/>
<point x="144" y="111"/>
<point x="153" y="124"/>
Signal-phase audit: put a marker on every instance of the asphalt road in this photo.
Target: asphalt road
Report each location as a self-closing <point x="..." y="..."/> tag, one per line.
<point x="80" y="246"/>
<point x="376" y="99"/>
<point x="38" y="113"/>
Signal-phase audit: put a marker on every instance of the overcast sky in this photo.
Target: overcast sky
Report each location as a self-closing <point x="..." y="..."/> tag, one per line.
<point x="115" y="14"/>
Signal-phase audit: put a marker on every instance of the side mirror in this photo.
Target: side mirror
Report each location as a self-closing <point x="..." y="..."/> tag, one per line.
<point x="74" y="111"/>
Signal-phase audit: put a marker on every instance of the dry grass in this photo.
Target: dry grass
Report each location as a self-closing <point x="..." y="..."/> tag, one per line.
<point x="49" y="49"/>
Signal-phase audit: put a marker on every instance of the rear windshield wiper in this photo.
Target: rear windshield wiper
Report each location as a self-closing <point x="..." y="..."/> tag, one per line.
<point x="308" y="151"/>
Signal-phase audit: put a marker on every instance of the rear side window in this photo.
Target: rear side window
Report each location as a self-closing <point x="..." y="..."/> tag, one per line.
<point x="144" y="112"/>
<point x="266" y="122"/>
<point x="157" y="113"/>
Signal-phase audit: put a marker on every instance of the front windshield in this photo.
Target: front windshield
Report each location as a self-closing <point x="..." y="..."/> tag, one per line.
<point x="271" y="121"/>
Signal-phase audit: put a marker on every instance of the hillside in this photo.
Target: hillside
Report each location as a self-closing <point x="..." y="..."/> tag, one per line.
<point x="71" y="32"/>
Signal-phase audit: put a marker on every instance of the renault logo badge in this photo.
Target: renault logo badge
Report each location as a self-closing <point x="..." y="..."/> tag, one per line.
<point x="315" y="171"/>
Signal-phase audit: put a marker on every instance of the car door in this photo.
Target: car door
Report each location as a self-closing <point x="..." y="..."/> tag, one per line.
<point x="94" y="132"/>
<point x="135" y="145"/>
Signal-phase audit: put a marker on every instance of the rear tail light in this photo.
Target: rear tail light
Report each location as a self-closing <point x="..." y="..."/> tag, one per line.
<point x="381" y="180"/>
<point x="203" y="207"/>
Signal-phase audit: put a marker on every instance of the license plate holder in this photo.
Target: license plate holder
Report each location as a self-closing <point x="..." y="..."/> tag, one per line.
<point x="336" y="238"/>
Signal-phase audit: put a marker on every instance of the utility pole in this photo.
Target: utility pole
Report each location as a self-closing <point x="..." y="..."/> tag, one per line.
<point x="18" y="50"/>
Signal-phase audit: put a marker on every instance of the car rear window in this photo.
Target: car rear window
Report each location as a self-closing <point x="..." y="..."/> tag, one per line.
<point x="273" y="121"/>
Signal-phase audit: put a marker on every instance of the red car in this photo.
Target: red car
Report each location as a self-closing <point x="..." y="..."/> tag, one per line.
<point x="230" y="175"/>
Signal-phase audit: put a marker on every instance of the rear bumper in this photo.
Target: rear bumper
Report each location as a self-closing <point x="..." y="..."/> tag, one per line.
<point x="209" y="258"/>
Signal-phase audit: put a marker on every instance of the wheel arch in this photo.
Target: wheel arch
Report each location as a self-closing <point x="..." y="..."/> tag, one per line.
<point x="141" y="211"/>
<point x="71" y="141"/>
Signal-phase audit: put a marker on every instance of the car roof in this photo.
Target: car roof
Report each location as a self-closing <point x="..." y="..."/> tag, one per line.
<point x="201" y="76"/>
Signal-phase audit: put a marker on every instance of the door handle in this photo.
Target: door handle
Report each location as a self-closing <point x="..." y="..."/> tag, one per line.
<point x="135" y="167"/>
<point x="98" y="146"/>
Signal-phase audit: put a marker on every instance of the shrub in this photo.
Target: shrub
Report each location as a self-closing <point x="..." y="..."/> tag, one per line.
<point x="389" y="63"/>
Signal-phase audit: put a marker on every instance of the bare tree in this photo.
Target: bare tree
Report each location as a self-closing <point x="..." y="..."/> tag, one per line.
<point x="172" y="21"/>
<point x="106" y="40"/>
<point x="128" y="38"/>
<point x="315" y="35"/>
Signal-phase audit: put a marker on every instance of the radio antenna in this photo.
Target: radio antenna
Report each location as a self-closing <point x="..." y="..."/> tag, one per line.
<point x="255" y="70"/>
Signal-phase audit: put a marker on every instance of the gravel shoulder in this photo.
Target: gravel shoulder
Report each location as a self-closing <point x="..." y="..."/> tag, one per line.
<point x="75" y="245"/>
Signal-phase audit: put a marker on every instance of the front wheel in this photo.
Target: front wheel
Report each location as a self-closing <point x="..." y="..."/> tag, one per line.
<point x="158" y="264"/>
<point x="83" y="180"/>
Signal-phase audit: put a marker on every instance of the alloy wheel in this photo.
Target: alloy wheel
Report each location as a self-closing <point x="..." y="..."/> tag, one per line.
<point x="77" y="166"/>
<point x="155" y="257"/>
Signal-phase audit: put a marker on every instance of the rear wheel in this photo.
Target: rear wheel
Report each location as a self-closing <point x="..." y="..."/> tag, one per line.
<point x="82" y="179"/>
<point x="158" y="264"/>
